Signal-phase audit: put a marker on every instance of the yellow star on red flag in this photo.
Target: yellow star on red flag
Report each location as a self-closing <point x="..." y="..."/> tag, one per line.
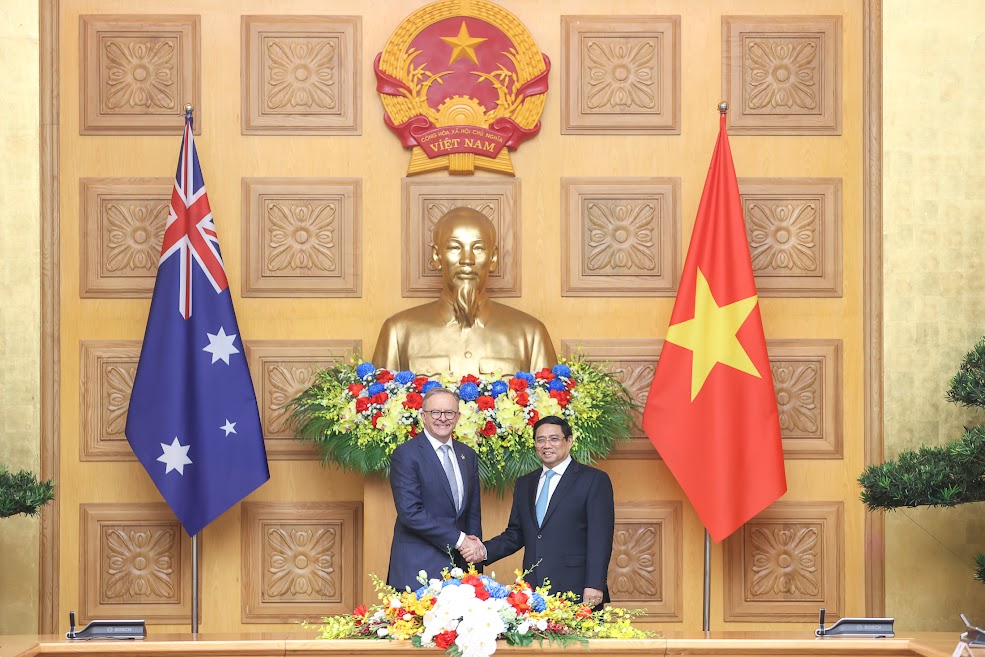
<point x="462" y="45"/>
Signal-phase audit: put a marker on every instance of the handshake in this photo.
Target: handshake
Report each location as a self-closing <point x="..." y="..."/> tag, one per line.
<point x="472" y="549"/>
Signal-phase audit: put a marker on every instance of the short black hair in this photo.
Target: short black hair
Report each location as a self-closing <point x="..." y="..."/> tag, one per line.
<point x="555" y="420"/>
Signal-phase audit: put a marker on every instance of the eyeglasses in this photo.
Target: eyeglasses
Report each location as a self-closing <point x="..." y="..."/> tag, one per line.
<point x="448" y="415"/>
<point x="553" y="440"/>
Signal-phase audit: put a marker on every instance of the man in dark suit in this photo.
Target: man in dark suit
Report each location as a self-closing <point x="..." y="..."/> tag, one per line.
<point x="563" y="515"/>
<point x="435" y="484"/>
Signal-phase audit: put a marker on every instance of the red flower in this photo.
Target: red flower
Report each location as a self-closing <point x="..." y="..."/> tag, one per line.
<point x="562" y="397"/>
<point x="414" y="430"/>
<point x="379" y="398"/>
<point x="571" y="384"/>
<point x="384" y="376"/>
<point x="414" y="400"/>
<point x="489" y="430"/>
<point x="481" y="593"/>
<point x="583" y="612"/>
<point x="473" y="580"/>
<point x="445" y="640"/>
<point x="534" y="416"/>
<point x="469" y="378"/>
<point x="362" y="404"/>
<point x="518" y="601"/>
<point x="376" y="416"/>
<point x="518" y="384"/>
<point x="522" y="397"/>
<point x="485" y="402"/>
<point x="544" y="375"/>
<point x="359" y="611"/>
<point x="419" y="382"/>
<point x="355" y="389"/>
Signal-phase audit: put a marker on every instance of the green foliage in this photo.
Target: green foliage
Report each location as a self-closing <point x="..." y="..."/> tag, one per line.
<point x="945" y="475"/>
<point x="21" y="492"/>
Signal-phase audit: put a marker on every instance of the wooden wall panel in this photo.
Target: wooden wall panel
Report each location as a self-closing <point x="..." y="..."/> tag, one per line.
<point x="302" y="75"/>
<point x="301" y="560"/>
<point x="646" y="570"/>
<point x="108" y="369"/>
<point x="137" y="73"/>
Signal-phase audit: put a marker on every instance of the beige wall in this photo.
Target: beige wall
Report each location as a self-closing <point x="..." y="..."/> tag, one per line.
<point x="934" y="207"/>
<point x="20" y="318"/>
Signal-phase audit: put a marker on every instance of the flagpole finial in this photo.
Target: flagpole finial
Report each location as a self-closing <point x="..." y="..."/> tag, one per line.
<point x="723" y="107"/>
<point x="189" y="111"/>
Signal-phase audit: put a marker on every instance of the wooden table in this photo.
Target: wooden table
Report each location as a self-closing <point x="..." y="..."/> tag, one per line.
<point x="719" y="644"/>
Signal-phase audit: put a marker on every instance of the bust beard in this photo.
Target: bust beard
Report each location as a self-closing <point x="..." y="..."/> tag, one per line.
<point x="465" y="303"/>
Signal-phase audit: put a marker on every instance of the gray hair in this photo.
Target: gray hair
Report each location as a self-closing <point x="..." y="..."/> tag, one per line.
<point x="438" y="391"/>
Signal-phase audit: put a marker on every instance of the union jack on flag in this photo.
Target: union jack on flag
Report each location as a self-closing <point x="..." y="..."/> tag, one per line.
<point x="193" y="420"/>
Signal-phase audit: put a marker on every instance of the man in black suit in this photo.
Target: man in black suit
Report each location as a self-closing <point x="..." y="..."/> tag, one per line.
<point x="435" y="484"/>
<point x="563" y="516"/>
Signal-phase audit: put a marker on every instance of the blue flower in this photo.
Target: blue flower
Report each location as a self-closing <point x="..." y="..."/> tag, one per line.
<point x="469" y="391"/>
<point x="430" y="385"/>
<point x="451" y="582"/>
<point x="375" y="389"/>
<point x="421" y="592"/>
<point x="556" y="384"/>
<point x="365" y="369"/>
<point x="561" y="370"/>
<point x="526" y="376"/>
<point x="498" y="387"/>
<point x="497" y="591"/>
<point x="537" y="602"/>
<point x="403" y="377"/>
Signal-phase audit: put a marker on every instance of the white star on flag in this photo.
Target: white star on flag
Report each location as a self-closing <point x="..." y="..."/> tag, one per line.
<point x="229" y="427"/>
<point x="221" y="345"/>
<point x="175" y="456"/>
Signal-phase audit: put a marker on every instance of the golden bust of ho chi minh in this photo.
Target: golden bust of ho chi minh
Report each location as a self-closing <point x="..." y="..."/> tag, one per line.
<point x="464" y="331"/>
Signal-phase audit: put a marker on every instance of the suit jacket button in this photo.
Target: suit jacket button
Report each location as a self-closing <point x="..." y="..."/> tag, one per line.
<point x="538" y="535"/>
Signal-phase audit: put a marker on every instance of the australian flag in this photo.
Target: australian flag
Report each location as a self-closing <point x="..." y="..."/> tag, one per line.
<point x="193" y="420"/>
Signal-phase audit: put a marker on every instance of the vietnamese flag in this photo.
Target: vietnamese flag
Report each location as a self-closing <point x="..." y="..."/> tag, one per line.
<point x="711" y="411"/>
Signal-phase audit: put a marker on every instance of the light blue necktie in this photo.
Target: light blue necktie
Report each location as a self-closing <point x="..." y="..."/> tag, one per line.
<point x="542" y="498"/>
<point x="450" y="473"/>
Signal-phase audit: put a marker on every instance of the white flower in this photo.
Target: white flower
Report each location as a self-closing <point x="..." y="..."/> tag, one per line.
<point x="382" y="632"/>
<point x="457" y="572"/>
<point x="407" y="616"/>
<point x="523" y="627"/>
<point x="542" y="624"/>
<point x="435" y="585"/>
<point x="379" y="615"/>
<point x="422" y="575"/>
<point x="395" y="603"/>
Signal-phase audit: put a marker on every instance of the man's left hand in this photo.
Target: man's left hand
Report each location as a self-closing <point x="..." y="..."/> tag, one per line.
<point x="592" y="597"/>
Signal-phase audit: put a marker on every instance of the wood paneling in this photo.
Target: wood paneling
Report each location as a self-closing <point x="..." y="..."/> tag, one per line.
<point x="786" y="563"/>
<point x="108" y="369"/>
<point x="782" y="74"/>
<point x="621" y="236"/>
<point x="425" y="201"/>
<point x="303" y="237"/>
<point x="302" y="75"/>
<point x="301" y="560"/>
<point x="137" y="73"/>
<point x="134" y="562"/>
<point x="646" y="570"/>
<point x="621" y="75"/>
<point x="281" y="370"/>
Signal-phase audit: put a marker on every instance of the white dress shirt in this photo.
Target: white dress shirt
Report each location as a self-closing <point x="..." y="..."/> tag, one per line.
<point x="436" y="445"/>
<point x="558" y="473"/>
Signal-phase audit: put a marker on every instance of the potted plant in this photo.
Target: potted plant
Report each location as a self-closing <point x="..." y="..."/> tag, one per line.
<point x="21" y="492"/>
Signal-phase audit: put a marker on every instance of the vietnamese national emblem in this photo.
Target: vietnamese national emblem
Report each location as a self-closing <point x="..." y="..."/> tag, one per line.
<point x="462" y="84"/>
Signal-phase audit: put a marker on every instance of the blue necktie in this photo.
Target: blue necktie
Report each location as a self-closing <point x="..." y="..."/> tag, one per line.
<point x="450" y="473"/>
<point x="542" y="498"/>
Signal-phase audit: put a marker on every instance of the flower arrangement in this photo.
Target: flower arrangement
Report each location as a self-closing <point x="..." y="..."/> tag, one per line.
<point x="357" y="414"/>
<point x="464" y="613"/>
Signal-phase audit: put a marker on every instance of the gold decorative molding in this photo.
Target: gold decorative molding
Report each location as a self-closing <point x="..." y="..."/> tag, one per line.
<point x="621" y="75"/>
<point x="108" y="368"/>
<point x="620" y="236"/>
<point x="425" y="201"/>
<point x="134" y="562"/>
<point x="807" y="378"/>
<point x="786" y="563"/>
<point x="794" y="230"/>
<point x="782" y="75"/>
<point x="301" y="560"/>
<point x="137" y="72"/>
<point x="646" y="569"/>
<point x="122" y="229"/>
<point x="302" y="237"/>
<point x="301" y="75"/>
<point x="281" y="370"/>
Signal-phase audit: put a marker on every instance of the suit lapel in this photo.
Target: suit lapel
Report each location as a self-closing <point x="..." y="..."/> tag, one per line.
<point x="465" y="471"/>
<point x="431" y="457"/>
<point x="567" y="481"/>
<point x="532" y="480"/>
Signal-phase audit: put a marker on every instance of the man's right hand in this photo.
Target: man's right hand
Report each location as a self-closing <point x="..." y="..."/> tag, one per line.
<point x="473" y="550"/>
